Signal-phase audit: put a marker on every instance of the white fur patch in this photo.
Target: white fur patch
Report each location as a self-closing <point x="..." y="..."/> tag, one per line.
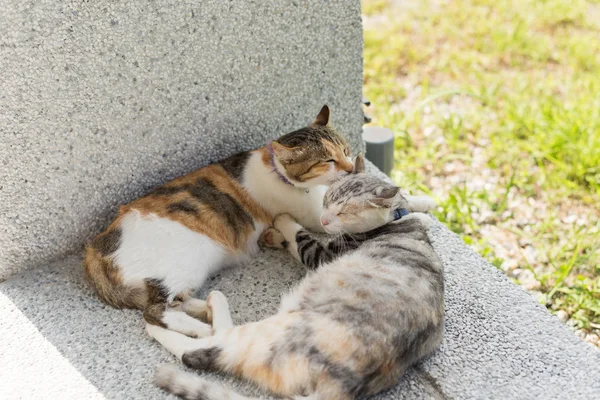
<point x="278" y="198"/>
<point x="424" y="218"/>
<point x="159" y="248"/>
<point x="285" y="224"/>
<point x="221" y="317"/>
<point x="181" y="322"/>
<point x="420" y="203"/>
<point x="175" y="342"/>
<point x="195" y="307"/>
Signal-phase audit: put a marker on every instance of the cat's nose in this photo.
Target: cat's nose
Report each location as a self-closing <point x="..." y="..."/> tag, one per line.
<point x="324" y="221"/>
<point x="346" y="165"/>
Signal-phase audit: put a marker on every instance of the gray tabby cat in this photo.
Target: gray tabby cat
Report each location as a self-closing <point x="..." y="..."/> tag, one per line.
<point x="352" y="327"/>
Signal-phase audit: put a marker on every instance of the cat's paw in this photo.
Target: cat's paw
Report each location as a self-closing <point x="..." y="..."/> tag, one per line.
<point x="216" y="300"/>
<point x="154" y="331"/>
<point x="271" y="237"/>
<point x="421" y="203"/>
<point x="196" y="308"/>
<point x="287" y="225"/>
<point x="424" y="219"/>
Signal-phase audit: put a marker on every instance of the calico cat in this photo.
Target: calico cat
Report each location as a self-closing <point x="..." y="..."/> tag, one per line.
<point x="372" y="306"/>
<point x="162" y="247"/>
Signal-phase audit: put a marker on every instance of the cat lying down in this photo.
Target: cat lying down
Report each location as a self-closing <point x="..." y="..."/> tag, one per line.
<point x="163" y="246"/>
<point x="371" y="306"/>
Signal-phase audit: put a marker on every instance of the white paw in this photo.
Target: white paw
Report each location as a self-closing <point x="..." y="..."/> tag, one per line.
<point x="425" y="219"/>
<point x="421" y="203"/>
<point x="179" y="321"/>
<point x="196" y="308"/>
<point x="287" y="225"/>
<point x="271" y="237"/>
<point x="154" y="330"/>
<point x="217" y="300"/>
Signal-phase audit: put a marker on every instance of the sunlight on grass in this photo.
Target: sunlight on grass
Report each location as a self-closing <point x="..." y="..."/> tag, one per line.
<point x="496" y="106"/>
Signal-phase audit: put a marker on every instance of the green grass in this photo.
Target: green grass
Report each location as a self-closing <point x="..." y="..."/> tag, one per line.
<point x="512" y="87"/>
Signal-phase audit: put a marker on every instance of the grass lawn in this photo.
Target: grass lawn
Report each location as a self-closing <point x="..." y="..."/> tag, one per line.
<point x="496" y="107"/>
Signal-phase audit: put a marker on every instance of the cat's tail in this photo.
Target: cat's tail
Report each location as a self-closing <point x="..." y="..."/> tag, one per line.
<point x="103" y="275"/>
<point x="193" y="387"/>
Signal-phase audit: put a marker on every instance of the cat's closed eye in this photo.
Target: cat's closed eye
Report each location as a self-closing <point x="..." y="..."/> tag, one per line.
<point x="331" y="160"/>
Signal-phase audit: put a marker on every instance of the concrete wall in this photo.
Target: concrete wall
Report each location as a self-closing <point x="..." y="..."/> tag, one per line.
<point x="101" y="101"/>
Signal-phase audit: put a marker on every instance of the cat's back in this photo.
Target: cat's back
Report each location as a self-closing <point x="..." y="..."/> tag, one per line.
<point x="379" y="308"/>
<point x="178" y="233"/>
<point x="209" y="201"/>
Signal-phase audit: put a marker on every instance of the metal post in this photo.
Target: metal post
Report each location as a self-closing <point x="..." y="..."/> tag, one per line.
<point x="380" y="147"/>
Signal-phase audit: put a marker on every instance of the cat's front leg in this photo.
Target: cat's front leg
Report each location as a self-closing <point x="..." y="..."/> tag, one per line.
<point x="287" y="226"/>
<point x="420" y="203"/>
<point x="302" y="244"/>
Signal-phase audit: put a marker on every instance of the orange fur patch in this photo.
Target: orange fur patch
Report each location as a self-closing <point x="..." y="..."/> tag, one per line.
<point x="205" y="221"/>
<point x="338" y="154"/>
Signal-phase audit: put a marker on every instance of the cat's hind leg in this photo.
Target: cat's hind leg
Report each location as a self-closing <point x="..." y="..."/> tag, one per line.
<point x="246" y="351"/>
<point x="192" y="306"/>
<point x="176" y="343"/>
<point x="219" y="311"/>
<point x="158" y="313"/>
<point x="196" y="308"/>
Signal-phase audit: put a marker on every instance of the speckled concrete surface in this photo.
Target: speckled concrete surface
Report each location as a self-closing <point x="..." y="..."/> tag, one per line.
<point x="101" y="101"/>
<point x="499" y="344"/>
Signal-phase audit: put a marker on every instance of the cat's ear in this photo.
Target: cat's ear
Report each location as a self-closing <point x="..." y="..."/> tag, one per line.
<point x="385" y="196"/>
<point x="359" y="164"/>
<point x="323" y="117"/>
<point x="282" y="152"/>
<point x="387" y="192"/>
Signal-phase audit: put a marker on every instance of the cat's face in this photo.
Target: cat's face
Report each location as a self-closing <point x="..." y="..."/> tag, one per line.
<point x="358" y="202"/>
<point x="314" y="155"/>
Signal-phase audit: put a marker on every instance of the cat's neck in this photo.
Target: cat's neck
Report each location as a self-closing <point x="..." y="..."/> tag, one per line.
<point x="277" y="167"/>
<point x="276" y="196"/>
<point x="276" y="170"/>
<point x="263" y="168"/>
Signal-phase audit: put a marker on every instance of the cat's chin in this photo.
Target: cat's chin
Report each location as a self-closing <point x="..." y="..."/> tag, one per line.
<point x="335" y="230"/>
<point x="330" y="230"/>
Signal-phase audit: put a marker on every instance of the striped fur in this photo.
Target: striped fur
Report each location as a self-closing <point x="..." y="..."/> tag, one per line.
<point x="350" y="329"/>
<point x="163" y="246"/>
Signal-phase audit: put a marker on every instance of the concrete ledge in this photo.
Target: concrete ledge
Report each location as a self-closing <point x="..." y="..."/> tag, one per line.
<point x="499" y="342"/>
<point x="102" y="101"/>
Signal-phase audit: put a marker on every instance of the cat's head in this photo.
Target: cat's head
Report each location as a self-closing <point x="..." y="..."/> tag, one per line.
<point x="314" y="155"/>
<point x="359" y="202"/>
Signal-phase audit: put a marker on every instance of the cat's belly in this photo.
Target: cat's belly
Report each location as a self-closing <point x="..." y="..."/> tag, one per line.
<point x="251" y="246"/>
<point x="160" y="248"/>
